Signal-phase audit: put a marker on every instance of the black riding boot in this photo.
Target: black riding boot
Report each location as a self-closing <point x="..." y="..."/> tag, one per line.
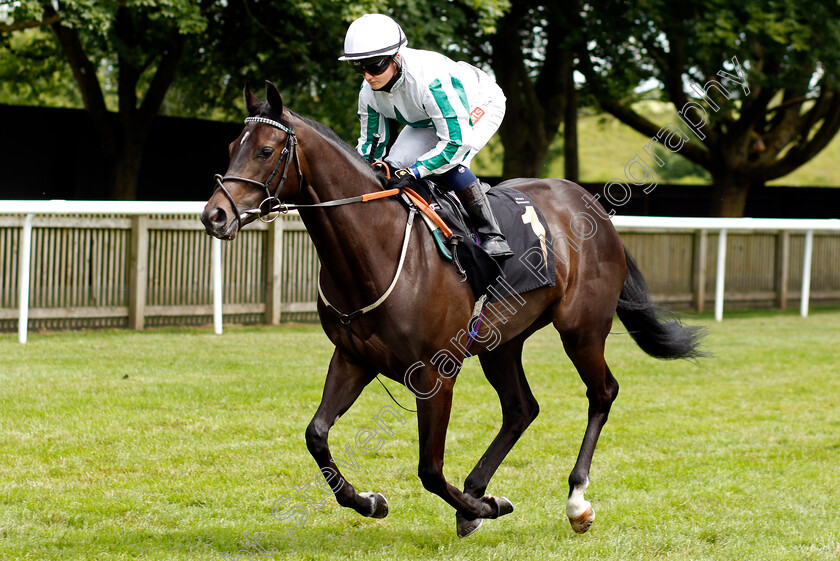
<point x="493" y="241"/>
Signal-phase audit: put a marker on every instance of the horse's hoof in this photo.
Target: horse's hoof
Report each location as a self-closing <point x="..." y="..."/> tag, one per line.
<point x="502" y="504"/>
<point x="581" y="524"/>
<point x="466" y="527"/>
<point x="378" y="504"/>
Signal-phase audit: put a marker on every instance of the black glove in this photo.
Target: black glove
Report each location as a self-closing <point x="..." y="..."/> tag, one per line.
<point x="401" y="178"/>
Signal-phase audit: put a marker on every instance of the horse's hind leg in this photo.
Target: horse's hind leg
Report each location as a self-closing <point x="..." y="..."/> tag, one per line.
<point x="587" y="353"/>
<point x="345" y="382"/>
<point x="503" y="369"/>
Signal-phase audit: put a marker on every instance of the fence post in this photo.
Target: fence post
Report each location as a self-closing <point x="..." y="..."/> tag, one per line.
<point x="138" y="272"/>
<point x="806" y="273"/>
<point x="25" y="262"/>
<point x="273" y="273"/>
<point x="782" y="266"/>
<point x="699" y="272"/>
<point x="721" y="275"/>
<point x="216" y="273"/>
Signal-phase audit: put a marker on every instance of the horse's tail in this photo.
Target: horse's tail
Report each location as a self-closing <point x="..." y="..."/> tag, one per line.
<point x="660" y="338"/>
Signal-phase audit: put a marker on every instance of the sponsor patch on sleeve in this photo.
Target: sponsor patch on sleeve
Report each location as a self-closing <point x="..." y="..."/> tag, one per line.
<point x="476" y="114"/>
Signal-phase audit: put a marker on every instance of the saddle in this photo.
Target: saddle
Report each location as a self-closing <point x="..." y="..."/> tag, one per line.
<point x="520" y="220"/>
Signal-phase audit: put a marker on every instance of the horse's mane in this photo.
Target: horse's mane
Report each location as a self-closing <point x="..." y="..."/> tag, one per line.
<point x="331" y="135"/>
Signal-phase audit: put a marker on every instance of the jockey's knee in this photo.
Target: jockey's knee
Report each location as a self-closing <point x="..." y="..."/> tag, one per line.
<point x="458" y="177"/>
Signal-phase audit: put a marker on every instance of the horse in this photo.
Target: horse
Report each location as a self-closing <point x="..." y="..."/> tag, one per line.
<point x="407" y="305"/>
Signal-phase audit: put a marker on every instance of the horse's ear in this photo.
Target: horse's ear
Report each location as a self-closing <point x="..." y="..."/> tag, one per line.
<point x="252" y="102"/>
<point x="273" y="97"/>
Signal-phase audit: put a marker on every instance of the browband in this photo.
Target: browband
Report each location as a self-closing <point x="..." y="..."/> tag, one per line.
<point x="271" y="122"/>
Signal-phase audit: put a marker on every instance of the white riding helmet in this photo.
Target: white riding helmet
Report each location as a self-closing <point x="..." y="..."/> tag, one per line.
<point x="373" y="35"/>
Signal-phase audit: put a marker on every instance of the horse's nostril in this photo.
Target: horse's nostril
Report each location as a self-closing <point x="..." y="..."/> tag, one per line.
<point x="219" y="217"/>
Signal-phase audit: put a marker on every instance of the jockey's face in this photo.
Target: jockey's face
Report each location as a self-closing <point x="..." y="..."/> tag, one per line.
<point x="378" y="81"/>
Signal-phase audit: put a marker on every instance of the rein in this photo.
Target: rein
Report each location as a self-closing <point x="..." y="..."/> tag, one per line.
<point x="283" y="208"/>
<point x="271" y="207"/>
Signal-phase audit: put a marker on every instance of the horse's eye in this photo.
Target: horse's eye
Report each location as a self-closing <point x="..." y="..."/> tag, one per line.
<point x="265" y="152"/>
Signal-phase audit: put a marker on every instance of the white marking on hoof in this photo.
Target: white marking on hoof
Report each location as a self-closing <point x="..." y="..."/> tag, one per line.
<point x="378" y="504"/>
<point x="579" y="510"/>
<point x="466" y="527"/>
<point x="582" y="523"/>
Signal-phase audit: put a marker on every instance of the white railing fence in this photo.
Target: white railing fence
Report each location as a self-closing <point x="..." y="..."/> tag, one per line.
<point x="724" y="225"/>
<point x="31" y="209"/>
<point x="43" y="213"/>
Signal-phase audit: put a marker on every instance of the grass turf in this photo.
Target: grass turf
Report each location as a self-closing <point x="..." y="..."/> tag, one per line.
<point x="172" y="444"/>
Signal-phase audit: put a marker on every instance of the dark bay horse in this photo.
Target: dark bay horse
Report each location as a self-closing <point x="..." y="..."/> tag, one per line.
<point x="371" y="253"/>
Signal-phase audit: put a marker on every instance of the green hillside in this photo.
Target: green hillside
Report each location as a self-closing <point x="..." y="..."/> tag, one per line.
<point x="606" y="145"/>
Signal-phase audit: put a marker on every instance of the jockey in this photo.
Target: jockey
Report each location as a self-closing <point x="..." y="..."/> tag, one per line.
<point x="451" y="110"/>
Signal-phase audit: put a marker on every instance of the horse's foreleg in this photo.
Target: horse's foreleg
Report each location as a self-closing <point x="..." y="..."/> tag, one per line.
<point x="345" y="382"/>
<point x="601" y="391"/>
<point x="433" y="420"/>
<point x="503" y="369"/>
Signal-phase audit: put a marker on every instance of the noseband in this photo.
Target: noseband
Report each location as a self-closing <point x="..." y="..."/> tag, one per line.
<point x="271" y="203"/>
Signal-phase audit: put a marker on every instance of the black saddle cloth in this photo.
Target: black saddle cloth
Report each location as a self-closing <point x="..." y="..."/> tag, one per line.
<point x="524" y="227"/>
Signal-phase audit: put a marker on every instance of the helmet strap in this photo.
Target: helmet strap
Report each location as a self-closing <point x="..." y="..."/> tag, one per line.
<point x="397" y="75"/>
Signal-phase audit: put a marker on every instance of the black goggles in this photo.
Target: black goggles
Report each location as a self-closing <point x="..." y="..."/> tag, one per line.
<point x="373" y="66"/>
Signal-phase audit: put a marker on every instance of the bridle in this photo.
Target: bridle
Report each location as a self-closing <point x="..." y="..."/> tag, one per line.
<point x="270" y="208"/>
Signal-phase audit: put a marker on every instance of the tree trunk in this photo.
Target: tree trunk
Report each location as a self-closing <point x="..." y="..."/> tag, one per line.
<point x="729" y="194"/>
<point x="525" y="146"/>
<point x="122" y="137"/>
<point x="535" y="107"/>
<point x="125" y="170"/>
<point x="521" y="131"/>
<point x="570" y="132"/>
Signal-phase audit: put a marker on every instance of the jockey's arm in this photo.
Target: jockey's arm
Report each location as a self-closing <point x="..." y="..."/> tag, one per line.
<point x="371" y="122"/>
<point x="451" y="119"/>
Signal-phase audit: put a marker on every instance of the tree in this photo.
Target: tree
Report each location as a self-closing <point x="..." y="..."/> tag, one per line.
<point x="746" y="128"/>
<point x="530" y="46"/>
<point x="132" y="59"/>
<point x="133" y="46"/>
<point x="536" y="93"/>
<point x="33" y="71"/>
<point x="296" y="44"/>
